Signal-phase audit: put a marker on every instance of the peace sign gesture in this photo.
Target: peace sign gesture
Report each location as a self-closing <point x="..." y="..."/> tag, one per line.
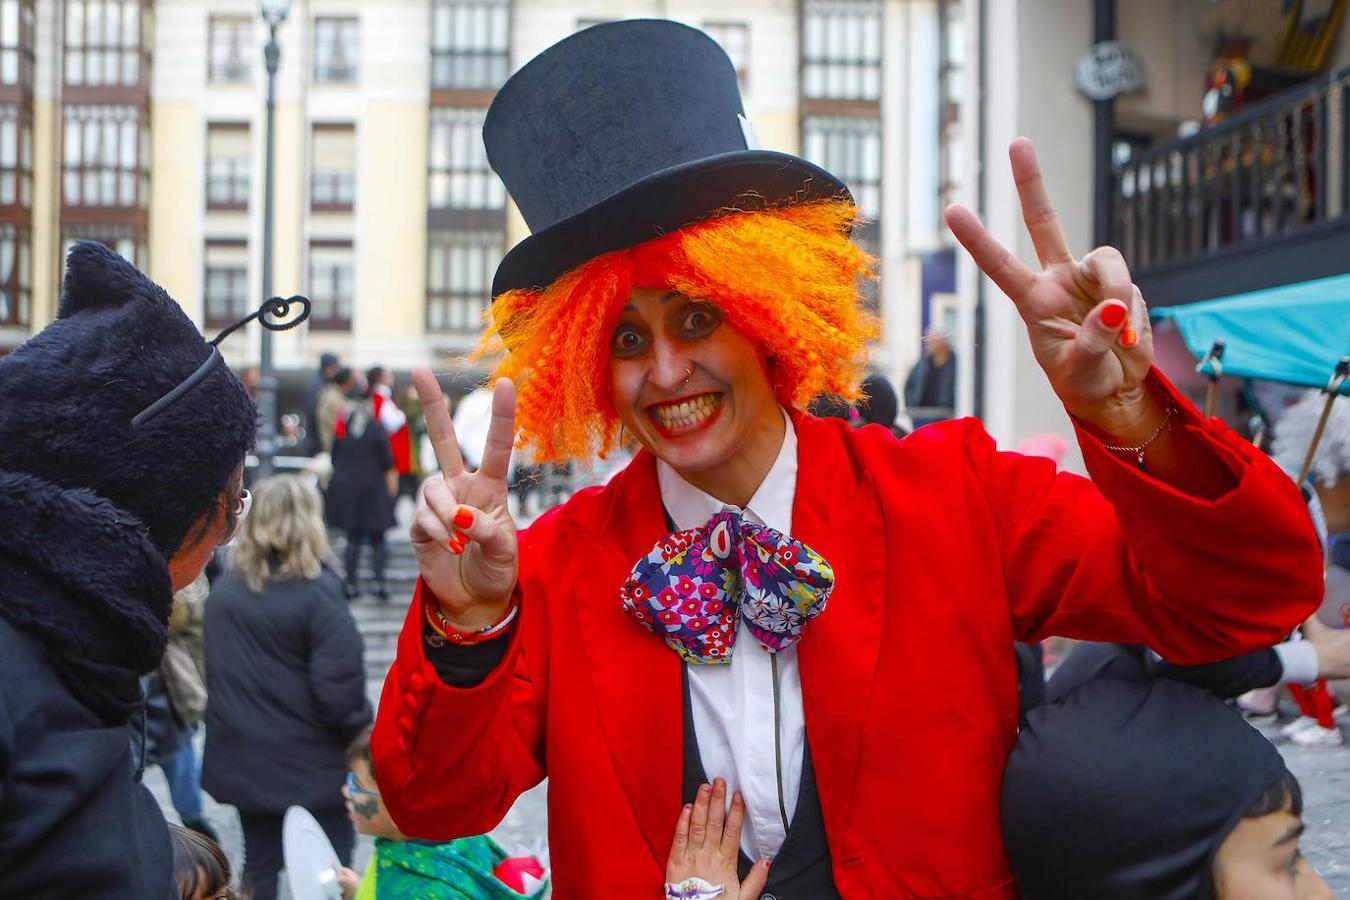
<point x="1087" y="321"/>
<point x="463" y="534"/>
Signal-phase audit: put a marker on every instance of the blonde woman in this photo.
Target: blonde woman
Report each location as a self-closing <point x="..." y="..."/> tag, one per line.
<point x="285" y="679"/>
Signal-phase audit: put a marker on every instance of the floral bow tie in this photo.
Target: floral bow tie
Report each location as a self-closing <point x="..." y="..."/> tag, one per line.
<point x="691" y="587"/>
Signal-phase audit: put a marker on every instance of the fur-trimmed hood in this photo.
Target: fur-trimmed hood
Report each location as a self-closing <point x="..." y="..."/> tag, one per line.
<point x="85" y="578"/>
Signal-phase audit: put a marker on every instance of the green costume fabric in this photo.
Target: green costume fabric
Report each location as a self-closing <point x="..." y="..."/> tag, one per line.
<point x="458" y="870"/>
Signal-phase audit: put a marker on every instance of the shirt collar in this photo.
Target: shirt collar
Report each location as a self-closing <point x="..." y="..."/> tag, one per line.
<point x="771" y="505"/>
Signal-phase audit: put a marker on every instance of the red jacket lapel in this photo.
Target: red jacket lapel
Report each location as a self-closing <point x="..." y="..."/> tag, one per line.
<point x="836" y="513"/>
<point x="637" y="678"/>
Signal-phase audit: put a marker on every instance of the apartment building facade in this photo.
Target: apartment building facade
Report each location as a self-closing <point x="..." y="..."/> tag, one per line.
<point x="141" y="123"/>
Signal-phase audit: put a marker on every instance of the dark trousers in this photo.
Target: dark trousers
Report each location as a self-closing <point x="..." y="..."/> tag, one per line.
<point x="263" y="857"/>
<point x="379" y="554"/>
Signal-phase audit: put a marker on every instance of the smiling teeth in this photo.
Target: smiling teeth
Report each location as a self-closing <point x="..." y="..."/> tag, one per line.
<point x="689" y="412"/>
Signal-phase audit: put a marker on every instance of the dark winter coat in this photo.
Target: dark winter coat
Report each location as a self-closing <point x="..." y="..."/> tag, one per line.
<point x="931" y="386"/>
<point x="358" y="500"/>
<point x="286" y="692"/>
<point x="119" y="427"/>
<point x="77" y="579"/>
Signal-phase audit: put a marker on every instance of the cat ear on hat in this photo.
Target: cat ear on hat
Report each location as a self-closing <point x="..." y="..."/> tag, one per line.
<point x="99" y="277"/>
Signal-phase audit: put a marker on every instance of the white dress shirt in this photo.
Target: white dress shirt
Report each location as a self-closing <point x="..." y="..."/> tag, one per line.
<point x="733" y="704"/>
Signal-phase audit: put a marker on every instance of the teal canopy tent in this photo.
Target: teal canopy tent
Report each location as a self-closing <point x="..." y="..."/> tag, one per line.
<point x="1295" y="333"/>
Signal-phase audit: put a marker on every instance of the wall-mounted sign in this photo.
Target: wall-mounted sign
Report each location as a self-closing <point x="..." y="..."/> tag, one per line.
<point x="1108" y="70"/>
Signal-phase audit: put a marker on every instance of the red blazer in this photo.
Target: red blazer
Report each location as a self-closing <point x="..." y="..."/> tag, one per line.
<point x="945" y="551"/>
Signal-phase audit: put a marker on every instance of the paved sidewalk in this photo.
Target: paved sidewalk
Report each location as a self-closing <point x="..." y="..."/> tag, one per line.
<point x="1324" y="773"/>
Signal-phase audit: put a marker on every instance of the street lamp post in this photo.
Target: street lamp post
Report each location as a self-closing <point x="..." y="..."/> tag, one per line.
<point x="274" y="12"/>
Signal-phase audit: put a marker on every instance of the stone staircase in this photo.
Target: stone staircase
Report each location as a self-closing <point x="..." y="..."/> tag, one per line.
<point x="380" y="623"/>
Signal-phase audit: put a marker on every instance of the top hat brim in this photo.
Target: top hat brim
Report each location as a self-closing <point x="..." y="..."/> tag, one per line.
<point x="661" y="203"/>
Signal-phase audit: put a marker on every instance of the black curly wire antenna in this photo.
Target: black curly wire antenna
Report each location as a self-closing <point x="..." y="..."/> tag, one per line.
<point x="273" y="314"/>
<point x="276" y="308"/>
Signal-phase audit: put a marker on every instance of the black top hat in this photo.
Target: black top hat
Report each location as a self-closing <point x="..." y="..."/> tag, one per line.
<point x="621" y="133"/>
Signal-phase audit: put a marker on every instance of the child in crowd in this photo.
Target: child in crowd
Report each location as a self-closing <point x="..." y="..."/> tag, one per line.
<point x="200" y="868"/>
<point x="473" y="868"/>
<point x="1125" y="790"/>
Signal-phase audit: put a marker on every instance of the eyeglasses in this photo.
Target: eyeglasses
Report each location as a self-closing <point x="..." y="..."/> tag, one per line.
<point x="354" y="787"/>
<point x="235" y="513"/>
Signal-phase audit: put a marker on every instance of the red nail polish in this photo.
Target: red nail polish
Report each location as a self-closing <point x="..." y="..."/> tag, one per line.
<point x="464" y="517"/>
<point x="456" y="546"/>
<point x="1113" y="315"/>
<point x="1129" y="337"/>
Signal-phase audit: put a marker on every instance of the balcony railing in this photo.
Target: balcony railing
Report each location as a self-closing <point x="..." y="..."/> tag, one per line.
<point x="1275" y="172"/>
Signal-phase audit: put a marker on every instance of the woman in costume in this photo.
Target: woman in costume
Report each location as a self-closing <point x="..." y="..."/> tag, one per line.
<point x="755" y="597"/>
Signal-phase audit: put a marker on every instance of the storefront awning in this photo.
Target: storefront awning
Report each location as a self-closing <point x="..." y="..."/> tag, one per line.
<point x="1295" y="333"/>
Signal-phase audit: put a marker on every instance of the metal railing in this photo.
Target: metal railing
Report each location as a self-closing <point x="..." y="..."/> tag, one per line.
<point x="1274" y="169"/>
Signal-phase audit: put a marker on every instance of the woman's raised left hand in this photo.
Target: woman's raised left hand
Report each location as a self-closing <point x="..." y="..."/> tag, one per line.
<point x="1087" y="321"/>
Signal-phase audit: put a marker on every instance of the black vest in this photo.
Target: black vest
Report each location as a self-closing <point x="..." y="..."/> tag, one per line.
<point x="801" y="870"/>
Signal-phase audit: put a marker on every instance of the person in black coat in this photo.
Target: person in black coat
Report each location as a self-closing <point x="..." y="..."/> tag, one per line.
<point x="286" y="687"/>
<point x="122" y="441"/>
<point x="328" y="369"/>
<point x="360" y="497"/>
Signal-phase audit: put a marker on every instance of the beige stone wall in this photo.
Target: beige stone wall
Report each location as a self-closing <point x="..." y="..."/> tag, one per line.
<point x="177" y="169"/>
<point x="393" y="192"/>
<point x="46" y="246"/>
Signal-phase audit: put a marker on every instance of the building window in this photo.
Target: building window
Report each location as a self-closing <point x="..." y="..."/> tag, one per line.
<point x="225" y="283"/>
<point x="841" y="50"/>
<point x="332" y="167"/>
<point x="734" y="38"/>
<point x="15" y="308"/>
<point x="127" y="240"/>
<point x="232" y="48"/>
<point x="16" y="42"/>
<point x="470" y="44"/>
<point x="330" y="285"/>
<point x="103" y="42"/>
<point x="460" y="264"/>
<point x="16" y="157"/>
<point x="850" y="147"/>
<point x="106" y="152"/>
<point x="460" y="177"/>
<point x="229" y="165"/>
<point x="335" y="49"/>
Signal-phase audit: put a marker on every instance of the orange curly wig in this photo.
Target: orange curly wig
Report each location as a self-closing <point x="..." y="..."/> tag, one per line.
<point x="786" y="279"/>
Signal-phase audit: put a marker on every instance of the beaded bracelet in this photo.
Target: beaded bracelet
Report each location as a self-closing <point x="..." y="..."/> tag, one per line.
<point x="442" y="628"/>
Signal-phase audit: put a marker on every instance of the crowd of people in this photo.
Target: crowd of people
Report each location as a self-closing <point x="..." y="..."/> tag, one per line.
<point x="366" y="439"/>
<point x="718" y="658"/>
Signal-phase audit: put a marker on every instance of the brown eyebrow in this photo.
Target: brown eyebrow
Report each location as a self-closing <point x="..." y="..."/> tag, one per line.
<point x="1294" y="833"/>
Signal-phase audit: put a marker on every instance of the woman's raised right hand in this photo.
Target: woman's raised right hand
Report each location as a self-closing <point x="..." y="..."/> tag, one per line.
<point x="463" y="534"/>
